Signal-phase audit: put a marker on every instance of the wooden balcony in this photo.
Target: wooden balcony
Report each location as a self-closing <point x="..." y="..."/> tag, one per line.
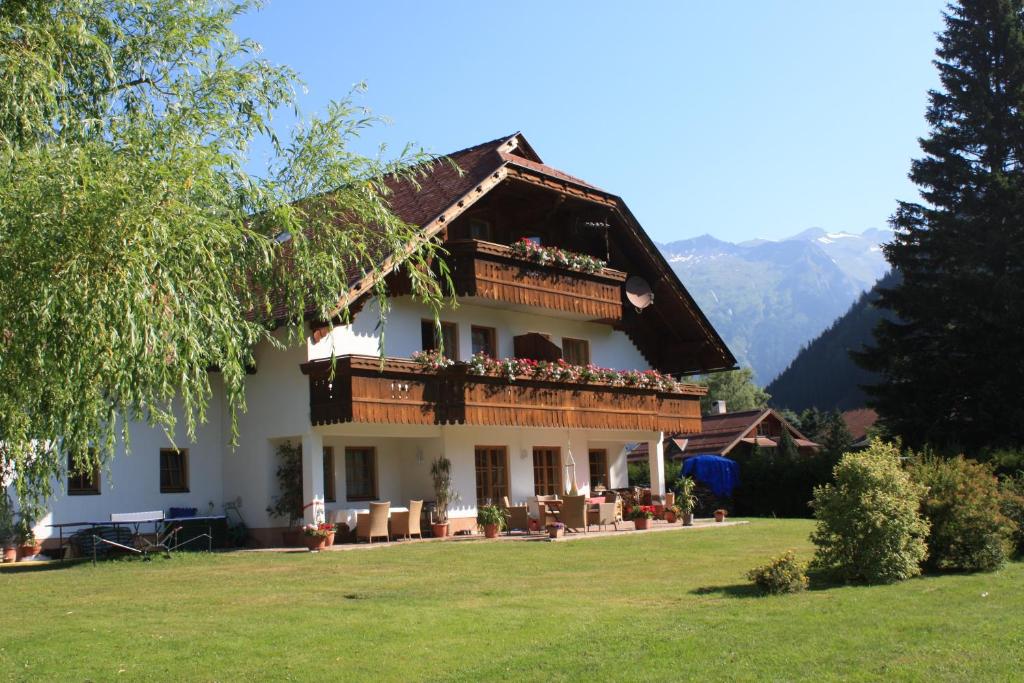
<point x="403" y="392"/>
<point x="491" y="271"/>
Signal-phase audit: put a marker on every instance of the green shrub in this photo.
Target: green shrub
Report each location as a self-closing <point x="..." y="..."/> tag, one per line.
<point x="1011" y="501"/>
<point x="784" y="574"/>
<point x="869" y="528"/>
<point x="961" y="502"/>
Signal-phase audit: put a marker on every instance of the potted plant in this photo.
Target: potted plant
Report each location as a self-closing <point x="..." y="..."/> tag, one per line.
<point x="720" y="514"/>
<point x="686" y="501"/>
<point x="444" y="495"/>
<point x="318" y="536"/>
<point x="288" y="503"/>
<point x="672" y="513"/>
<point x="556" y="530"/>
<point x="28" y="546"/>
<point x="492" y="519"/>
<point x="642" y="516"/>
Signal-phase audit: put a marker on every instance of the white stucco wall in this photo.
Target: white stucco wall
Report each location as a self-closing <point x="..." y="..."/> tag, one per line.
<point x="401" y="333"/>
<point x="131" y="481"/>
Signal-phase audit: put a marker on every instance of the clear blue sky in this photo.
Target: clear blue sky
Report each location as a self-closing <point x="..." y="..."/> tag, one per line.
<point x="742" y="120"/>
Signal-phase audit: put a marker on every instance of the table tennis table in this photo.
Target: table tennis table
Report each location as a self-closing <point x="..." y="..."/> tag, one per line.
<point x="164" y="535"/>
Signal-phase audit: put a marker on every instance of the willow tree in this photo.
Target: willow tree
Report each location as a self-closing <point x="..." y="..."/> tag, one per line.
<point x="140" y="246"/>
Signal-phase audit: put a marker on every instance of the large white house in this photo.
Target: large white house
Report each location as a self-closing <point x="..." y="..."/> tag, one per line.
<point x="371" y="432"/>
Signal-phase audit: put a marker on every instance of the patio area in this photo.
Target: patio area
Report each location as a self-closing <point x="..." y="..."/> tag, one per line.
<point x="626" y="528"/>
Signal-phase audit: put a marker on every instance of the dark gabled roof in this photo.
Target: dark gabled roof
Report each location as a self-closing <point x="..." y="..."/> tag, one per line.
<point x="721" y="433"/>
<point x="448" y="186"/>
<point x="859" y="421"/>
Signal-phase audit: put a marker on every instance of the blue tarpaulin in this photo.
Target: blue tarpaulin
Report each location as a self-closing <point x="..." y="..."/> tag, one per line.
<point x="719" y="474"/>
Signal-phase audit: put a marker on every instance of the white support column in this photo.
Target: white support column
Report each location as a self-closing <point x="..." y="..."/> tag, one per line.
<point x="312" y="477"/>
<point x="655" y="451"/>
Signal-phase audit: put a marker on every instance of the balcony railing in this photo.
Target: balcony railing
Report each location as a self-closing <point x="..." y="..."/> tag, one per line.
<point x="491" y="271"/>
<point x="405" y="392"/>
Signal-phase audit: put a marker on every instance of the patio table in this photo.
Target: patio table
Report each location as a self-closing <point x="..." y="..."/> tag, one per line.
<point x="350" y="516"/>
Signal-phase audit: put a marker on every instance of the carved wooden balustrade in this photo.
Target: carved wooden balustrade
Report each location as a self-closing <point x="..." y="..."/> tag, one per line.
<point x="363" y="389"/>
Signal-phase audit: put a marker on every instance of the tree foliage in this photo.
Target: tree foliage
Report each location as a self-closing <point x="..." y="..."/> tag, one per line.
<point x="138" y="247"/>
<point x="962" y="504"/>
<point x="948" y="359"/>
<point x="869" y="528"/>
<point x="736" y="387"/>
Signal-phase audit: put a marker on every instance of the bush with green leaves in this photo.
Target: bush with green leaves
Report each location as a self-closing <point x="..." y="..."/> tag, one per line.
<point x="783" y="574"/>
<point x="869" y="527"/>
<point x="1011" y="502"/>
<point x="961" y="502"/>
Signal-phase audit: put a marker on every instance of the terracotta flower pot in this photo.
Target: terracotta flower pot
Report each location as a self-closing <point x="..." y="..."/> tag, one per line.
<point x="314" y="542"/>
<point x="29" y="550"/>
<point x="642" y="523"/>
<point x="10" y="554"/>
<point x="439" y="530"/>
<point x="719" y="515"/>
<point x="491" y="530"/>
<point x="687" y="519"/>
<point x="670" y="517"/>
<point x="555" y="532"/>
<point x="329" y="541"/>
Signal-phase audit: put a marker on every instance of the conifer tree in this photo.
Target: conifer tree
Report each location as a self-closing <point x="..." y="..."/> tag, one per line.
<point x="951" y="363"/>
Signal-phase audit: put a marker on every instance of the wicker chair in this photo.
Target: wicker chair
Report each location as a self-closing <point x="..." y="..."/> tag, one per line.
<point x="407" y="524"/>
<point x="539" y="511"/>
<point x="574" y="513"/>
<point x="517" y="517"/>
<point x="604" y="514"/>
<point x="376" y="524"/>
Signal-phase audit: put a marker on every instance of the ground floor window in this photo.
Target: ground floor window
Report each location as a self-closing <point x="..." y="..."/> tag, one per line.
<point x="329" y="492"/>
<point x="599" y="468"/>
<point x="360" y="473"/>
<point x="547" y="471"/>
<point x="83" y="483"/>
<point x="173" y="470"/>
<point x="491" y="474"/>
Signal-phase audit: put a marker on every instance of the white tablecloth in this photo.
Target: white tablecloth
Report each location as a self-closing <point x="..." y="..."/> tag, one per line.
<point x="348" y="515"/>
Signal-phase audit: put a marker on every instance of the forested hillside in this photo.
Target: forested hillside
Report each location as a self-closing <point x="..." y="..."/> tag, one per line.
<point x="823" y="375"/>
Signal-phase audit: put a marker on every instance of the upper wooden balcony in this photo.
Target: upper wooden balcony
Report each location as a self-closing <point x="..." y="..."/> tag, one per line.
<point x="492" y="271"/>
<point x="405" y="392"/>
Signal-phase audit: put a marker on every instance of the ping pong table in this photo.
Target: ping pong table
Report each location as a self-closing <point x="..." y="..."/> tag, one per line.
<point x="164" y="535"/>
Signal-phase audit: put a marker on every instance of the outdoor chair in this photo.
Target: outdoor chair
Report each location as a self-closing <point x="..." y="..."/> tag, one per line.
<point x="376" y="522"/>
<point x="407" y="524"/>
<point x="603" y="514"/>
<point x="518" y="518"/>
<point x="539" y="511"/>
<point x="615" y="499"/>
<point x="574" y="513"/>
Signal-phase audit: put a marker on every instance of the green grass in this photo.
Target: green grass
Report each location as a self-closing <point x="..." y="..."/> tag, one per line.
<point x="659" y="606"/>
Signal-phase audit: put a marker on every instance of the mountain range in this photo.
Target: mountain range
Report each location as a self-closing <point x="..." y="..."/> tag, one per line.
<point x="767" y="298"/>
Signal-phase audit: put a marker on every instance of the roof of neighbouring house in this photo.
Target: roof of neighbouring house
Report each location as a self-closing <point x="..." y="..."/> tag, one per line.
<point x="859" y="421"/>
<point x="720" y="433"/>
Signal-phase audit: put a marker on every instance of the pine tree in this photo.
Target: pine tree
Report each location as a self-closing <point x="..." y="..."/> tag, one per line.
<point x="951" y="363"/>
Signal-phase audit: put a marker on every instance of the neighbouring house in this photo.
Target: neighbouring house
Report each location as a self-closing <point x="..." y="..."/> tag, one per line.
<point x="604" y="323"/>
<point x="730" y="435"/>
<point x="860" y="421"/>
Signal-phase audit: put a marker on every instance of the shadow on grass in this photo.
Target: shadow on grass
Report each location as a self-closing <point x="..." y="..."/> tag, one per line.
<point x="819" y="581"/>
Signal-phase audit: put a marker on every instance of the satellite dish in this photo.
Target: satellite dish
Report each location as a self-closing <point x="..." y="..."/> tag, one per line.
<point x="639" y="293"/>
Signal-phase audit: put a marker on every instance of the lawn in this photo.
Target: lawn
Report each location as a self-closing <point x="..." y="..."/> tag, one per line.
<point x="658" y="606"/>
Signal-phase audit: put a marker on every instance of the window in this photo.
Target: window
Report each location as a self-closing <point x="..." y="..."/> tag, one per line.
<point x="485" y="340"/>
<point x="449" y="336"/>
<point x="491" y="474"/>
<point x="598" y="467"/>
<point x="480" y="229"/>
<point x="576" y="351"/>
<point x="360" y="474"/>
<point x="83" y="483"/>
<point x="173" y="470"/>
<point x="329" y="492"/>
<point x="547" y="471"/>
